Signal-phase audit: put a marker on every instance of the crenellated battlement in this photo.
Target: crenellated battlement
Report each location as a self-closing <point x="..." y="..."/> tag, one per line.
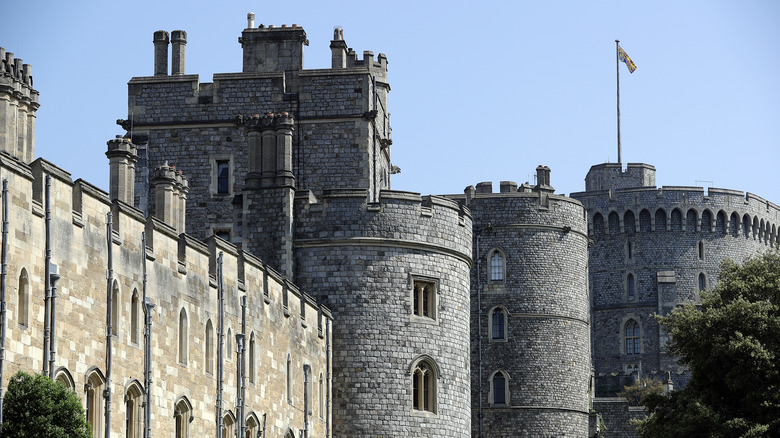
<point x="79" y="210"/>
<point x="406" y="218"/>
<point x="18" y="104"/>
<point x="679" y="208"/>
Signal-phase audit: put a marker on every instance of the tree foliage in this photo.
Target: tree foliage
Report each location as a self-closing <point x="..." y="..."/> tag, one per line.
<point x="731" y="343"/>
<point x="644" y="387"/>
<point x="36" y="406"/>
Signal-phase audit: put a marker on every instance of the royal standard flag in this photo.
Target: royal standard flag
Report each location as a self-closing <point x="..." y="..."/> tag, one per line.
<point x="623" y="56"/>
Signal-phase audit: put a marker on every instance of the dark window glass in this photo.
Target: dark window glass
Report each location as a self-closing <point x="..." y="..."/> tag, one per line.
<point x="498" y="324"/>
<point x="223" y="177"/>
<point x="499" y="389"/>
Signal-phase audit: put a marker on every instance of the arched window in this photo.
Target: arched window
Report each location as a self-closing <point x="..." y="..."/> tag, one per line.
<point x="321" y="398"/>
<point x="632" y="337"/>
<point x="630" y="287"/>
<point x="23" y="303"/>
<point x="702" y="281"/>
<point x="115" y="309"/>
<point x="424" y="378"/>
<point x="134" y="305"/>
<point x="229" y="342"/>
<point x="63" y="377"/>
<point x="94" y="401"/>
<point x="183" y="337"/>
<point x="498" y="324"/>
<point x="134" y="419"/>
<point x="183" y="415"/>
<point x="227" y="425"/>
<point x="499" y="389"/>
<point x="252" y="426"/>
<point x="497" y="266"/>
<point x="209" y="359"/>
<point x="289" y="379"/>
<point x="251" y="365"/>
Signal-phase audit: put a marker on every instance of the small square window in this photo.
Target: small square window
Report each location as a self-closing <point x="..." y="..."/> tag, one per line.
<point x="223" y="234"/>
<point x="424" y="299"/>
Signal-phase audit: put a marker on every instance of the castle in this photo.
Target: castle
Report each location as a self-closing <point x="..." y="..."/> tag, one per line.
<point x="252" y="273"/>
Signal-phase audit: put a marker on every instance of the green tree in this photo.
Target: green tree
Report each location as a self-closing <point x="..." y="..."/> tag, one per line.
<point x="36" y="406"/>
<point x="636" y="392"/>
<point x="731" y="343"/>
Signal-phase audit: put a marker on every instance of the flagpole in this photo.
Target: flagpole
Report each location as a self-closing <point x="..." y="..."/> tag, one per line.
<point x="617" y="65"/>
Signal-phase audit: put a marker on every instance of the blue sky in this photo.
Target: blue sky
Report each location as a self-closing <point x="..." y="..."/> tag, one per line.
<point x="481" y="91"/>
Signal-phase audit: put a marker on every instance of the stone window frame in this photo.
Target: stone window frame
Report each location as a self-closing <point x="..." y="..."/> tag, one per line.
<point x="422" y="366"/>
<point x="623" y="337"/>
<point x="252" y="424"/>
<point x="630" y="251"/>
<point x="116" y="312"/>
<point x="492" y="312"/>
<point x="135" y="316"/>
<point x="183" y="338"/>
<point x="491" y="388"/>
<point x="208" y="347"/>
<point x="23" y="300"/>
<point x="183" y="416"/>
<point x="63" y="376"/>
<point x="629" y="280"/>
<point x="251" y="355"/>
<point x="218" y="228"/>
<point x="501" y="254"/>
<point x="229" y="344"/>
<point x="701" y="250"/>
<point x="417" y="314"/>
<point x="228" y="424"/>
<point x="701" y="281"/>
<point x="93" y="400"/>
<point x="289" y="387"/>
<point x="321" y="397"/>
<point x="134" y="409"/>
<point x="214" y="161"/>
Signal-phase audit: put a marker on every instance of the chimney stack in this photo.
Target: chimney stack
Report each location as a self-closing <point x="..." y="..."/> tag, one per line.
<point x="161" y="40"/>
<point x="178" y="43"/>
<point x="338" y="48"/>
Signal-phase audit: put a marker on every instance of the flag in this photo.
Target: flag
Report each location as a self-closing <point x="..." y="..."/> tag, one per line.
<point x="623" y="56"/>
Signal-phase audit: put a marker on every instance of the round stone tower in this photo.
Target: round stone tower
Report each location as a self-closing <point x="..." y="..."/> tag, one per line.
<point x="530" y="366"/>
<point x="654" y="249"/>
<point x="396" y="274"/>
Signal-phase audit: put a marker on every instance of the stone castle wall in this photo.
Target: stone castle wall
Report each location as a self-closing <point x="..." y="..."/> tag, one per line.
<point x="341" y="136"/>
<point x="543" y="292"/>
<point x="365" y="258"/>
<point x="676" y="234"/>
<point x="181" y="275"/>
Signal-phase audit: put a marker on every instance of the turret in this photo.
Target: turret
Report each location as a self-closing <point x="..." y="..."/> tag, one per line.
<point x="122" y="156"/>
<point x="611" y="176"/>
<point x="269" y="49"/>
<point x="18" y="104"/>
<point x="161" y="41"/>
<point x="170" y="188"/>
<point x="178" y="43"/>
